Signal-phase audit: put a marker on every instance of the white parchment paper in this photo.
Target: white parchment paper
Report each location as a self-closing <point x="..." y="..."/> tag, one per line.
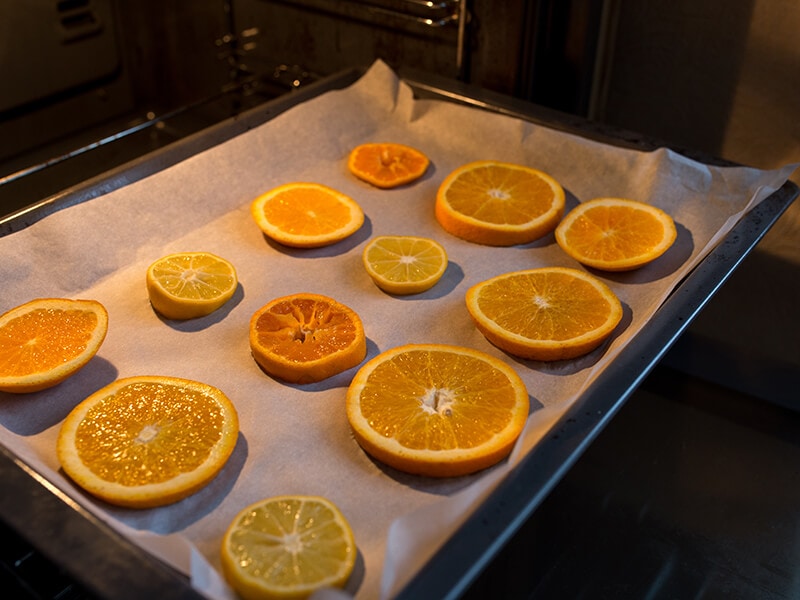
<point x="295" y="439"/>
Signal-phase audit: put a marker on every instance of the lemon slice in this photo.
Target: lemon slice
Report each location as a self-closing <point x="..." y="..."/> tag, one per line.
<point x="404" y="264"/>
<point x="187" y="285"/>
<point x="288" y="547"/>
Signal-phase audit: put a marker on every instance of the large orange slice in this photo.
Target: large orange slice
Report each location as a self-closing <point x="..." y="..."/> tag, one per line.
<point x="304" y="338"/>
<point x="148" y="441"/>
<point x="499" y="204"/>
<point x="387" y="165"/>
<point x="437" y="410"/>
<point x="306" y="215"/>
<point x="46" y="340"/>
<point x="615" y="234"/>
<point x="545" y="314"/>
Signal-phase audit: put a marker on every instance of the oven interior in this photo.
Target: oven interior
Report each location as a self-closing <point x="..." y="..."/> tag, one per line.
<point x="692" y="490"/>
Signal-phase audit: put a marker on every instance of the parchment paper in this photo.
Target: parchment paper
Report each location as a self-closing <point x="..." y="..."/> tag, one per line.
<point x="295" y="439"/>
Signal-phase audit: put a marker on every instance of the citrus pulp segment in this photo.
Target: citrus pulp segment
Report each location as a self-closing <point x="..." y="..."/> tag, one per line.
<point x="288" y="547"/>
<point x="148" y="441"/>
<point x="188" y="285"/>
<point x="44" y="341"/>
<point x="615" y="234"/>
<point x="306" y="215"/>
<point x="437" y="410"/>
<point x="387" y="165"/>
<point x="304" y="338"/>
<point x="499" y="204"/>
<point x="544" y="314"/>
<point x="404" y="264"/>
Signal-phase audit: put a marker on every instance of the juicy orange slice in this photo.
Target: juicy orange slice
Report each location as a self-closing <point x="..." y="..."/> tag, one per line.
<point x="288" y="547"/>
<point x="615" y="234"/>
<point x="148" y="441"/>
<point x="404" y="264"/>
<point x="437" y="410"/>
<point x="499" y="204"/>
<point x="306" y="215"/>
<point x="46" y="340"/>
<point x="190" y="284"/>
<point x="544" y="314"/>
<point x="304" y="338"/>
<point x="387" y="165"/>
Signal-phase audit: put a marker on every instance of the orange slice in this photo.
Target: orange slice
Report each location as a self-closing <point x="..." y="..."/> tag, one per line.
<point x="190" y="284"/>
<point x="615" y="234"/>
<point x="148" y="441"/>
<point x="499" y="204"/>
<point x="544" y="314"/>
<point x="387" y="165"/>
<point x="288" y="547"/>
<point x="437" y="410"/>
<point x="46" y="340"/>
<point x="306" y="215"/>
<point x="404" y="264"/>
<point x="304" y="338"/>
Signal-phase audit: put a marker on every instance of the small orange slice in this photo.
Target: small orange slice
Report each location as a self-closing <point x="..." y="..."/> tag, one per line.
<point x="288" y="547"/>
<point x="304" y="338"/>
<point x="437" y="410"/>
<point x="545" y="314"/>
<point x="148" y="441"/>
<point x="46" y="340"/>
<point x="615" y="234"/>
<point x="387" y="165"/>
<point x="499" y="204"/>
<point x="306" y="215"/>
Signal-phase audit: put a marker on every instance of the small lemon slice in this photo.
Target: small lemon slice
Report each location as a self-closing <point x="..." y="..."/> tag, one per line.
<point x="288" y="547"/>
<point x="401" y="264"/>
<point x="187" y="285"/>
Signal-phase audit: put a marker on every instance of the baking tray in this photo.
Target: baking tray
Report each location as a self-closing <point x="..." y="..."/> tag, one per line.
<point x="55" y="524"/>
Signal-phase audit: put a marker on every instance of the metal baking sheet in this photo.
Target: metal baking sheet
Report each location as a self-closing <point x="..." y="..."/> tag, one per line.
<point x="475" y="543"/>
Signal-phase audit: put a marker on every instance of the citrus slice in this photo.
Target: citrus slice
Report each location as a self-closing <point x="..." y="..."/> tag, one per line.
<point x="545" y="314"/>
<point x="387" y="165"/>
<point x="402" y="264"/>
<point x="148" y="441"/>
<point x="499" y="204"/>
<point x="306" y="215"/>
<point x="190" y="284"/>
<point x="615" y="234"/>
<point x="44" y="341"/>
<point x="288" y="547"/>
<point x="437" y="410"/>
<point x="304" y="338"/>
